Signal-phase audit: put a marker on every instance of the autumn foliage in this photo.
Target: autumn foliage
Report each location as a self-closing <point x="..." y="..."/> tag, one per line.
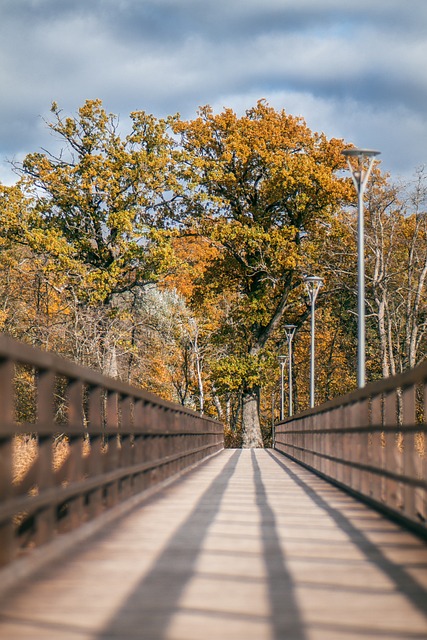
<point x="172" y="258"/>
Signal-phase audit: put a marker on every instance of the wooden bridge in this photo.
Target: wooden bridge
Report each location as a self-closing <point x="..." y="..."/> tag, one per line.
<point x="149" y="529"/>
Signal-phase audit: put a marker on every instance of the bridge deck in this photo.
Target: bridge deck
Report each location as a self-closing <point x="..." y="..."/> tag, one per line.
<point x="247" y="546"/>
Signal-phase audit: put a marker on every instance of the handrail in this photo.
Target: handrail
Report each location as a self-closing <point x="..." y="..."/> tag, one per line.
<point x="371" y="442"/>
<point x="120" y="441"/>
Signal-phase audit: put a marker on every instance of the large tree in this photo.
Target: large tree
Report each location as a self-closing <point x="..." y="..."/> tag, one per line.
<point x="97" y="200"/>
<point x="94" y="208"/>
<point x="254" y="186"/>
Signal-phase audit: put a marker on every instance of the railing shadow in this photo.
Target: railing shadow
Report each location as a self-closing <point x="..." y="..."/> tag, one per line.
<point x="401" y="578"/>
<point x="286" y="620"/>
<point x="156" y="599"/>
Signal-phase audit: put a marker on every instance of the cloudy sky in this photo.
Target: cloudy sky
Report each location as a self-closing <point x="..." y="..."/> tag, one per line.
<point x="354" y="69"/>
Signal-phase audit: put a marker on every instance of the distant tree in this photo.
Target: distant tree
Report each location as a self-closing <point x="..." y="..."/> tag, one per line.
<point x="395" y="272"/>
<point x="396" y="229"/>
<point x="30" y="283"/>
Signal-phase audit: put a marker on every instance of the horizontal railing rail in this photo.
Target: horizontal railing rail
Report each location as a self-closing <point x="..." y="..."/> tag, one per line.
<point x="372" y="442"/>
<point x="90" y="442"/>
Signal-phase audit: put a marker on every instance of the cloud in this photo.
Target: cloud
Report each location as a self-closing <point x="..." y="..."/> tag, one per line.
<point x="354" y="70"/>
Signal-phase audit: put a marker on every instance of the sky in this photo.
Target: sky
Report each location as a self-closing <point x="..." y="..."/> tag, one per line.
<point x="353" y="70"/>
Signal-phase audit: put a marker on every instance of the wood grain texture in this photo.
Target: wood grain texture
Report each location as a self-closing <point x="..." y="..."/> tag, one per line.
<point x="248" y="546"/>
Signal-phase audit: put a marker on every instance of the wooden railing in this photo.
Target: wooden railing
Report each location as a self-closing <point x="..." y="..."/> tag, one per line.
<point x="372" y="442"/>
<point x="94" y="442"/>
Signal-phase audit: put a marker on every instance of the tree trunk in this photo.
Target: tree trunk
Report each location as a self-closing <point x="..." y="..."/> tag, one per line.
<point x="382" y="330"/>
<point x="217" y="403"/>
<point x="198" y="361"/>
<point x="252" y="438"/>
<point x="111" y="368"/>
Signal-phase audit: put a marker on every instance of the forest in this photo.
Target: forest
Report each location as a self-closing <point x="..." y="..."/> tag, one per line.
<point x="172" y="257"/>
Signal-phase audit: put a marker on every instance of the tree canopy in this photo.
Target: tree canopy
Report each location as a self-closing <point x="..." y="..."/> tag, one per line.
<point x="254" y="184"/>
<point x="174" y="255"/>
<point x="96" y="203"/>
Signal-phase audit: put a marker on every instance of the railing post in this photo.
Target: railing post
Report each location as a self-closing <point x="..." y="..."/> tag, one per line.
<point x="7" y="546"/>
<point x="95" y="426"/>
<point x="126" y="487"/>
<point x="409" y="449"/>
<point x="45" y="520"/>
<point x="421" y="466"/>
<point x="146" y="440"/>
<point x="363" y="483"/>
<point x="112" y="431"/>
<point x="391" y="447"/>
<point x="377" y="445"/>
<point x="75" y="464"/>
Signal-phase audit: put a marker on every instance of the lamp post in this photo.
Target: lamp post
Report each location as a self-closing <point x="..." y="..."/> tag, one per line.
<point x="356" y="160"/>
<point x="282" y="362"/>
<point x="313" y="284"/>
<point x="273" y="431"/>
<point x="290" y="332"/>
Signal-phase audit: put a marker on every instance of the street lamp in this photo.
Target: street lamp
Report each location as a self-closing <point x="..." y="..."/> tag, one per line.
<point x="282" y="362"/>
<point x="356" y="160"/>
<point x="290" y="332"/>
<point x="313" y="284"/>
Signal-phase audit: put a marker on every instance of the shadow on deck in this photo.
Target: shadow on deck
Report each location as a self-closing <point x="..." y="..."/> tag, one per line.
<point x="247" y="546"/>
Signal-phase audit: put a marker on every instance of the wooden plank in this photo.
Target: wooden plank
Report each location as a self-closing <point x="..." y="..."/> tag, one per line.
<point x="248" y="546"/>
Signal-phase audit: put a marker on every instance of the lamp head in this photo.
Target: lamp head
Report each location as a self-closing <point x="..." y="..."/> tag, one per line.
<point x="313" y="284"/>
<point x="356" y="159"/>
<point x="290" y="330"/>
<point x="313" y="281"/>
<point x="367" y="153"/>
